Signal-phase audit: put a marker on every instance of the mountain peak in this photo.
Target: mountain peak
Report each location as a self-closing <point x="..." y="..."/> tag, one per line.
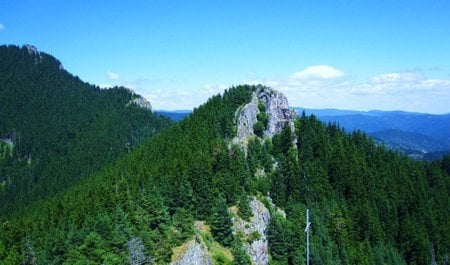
<point x="140" y="101"/>
<point x="32" y="50"/>
<point x="265" y="115"/>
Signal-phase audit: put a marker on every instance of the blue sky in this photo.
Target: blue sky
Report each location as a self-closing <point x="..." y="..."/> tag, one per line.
<point x="359" y="55"/>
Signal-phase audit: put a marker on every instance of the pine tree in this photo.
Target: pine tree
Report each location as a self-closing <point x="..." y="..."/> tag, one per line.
<point x="239" y="254"/>
<point x="221" y="223"/>
<point x="245" y="212"/>
<point x="279" y="238"/>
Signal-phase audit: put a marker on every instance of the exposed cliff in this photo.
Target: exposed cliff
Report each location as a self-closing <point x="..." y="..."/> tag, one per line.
<point x="141" y="102"/>
<point x="276" y="108"/>
<point x="255" y="232"/>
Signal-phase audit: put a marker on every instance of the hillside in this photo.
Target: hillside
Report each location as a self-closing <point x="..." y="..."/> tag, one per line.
<point x="415" y="145"/>
<point x="168" y="198"/>
<point x="59" y="128"/>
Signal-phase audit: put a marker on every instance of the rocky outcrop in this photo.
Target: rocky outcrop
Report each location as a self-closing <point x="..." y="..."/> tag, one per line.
<point x="32" y="50"/>
<point x="141" y="102"/>
<point x="247" y="118"/>
<point x="277" y="110"/>
<point x="255" y="231"/>
<point x="194" y="252"/>
<point x="39" y="57"/>
<point x="137" y="249"/>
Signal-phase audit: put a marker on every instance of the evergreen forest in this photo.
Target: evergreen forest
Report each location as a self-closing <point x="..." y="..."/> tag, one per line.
<point x="100" y="181"/>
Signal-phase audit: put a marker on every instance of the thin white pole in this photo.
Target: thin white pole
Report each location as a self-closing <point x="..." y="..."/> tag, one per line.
<point x="308" y="225"/>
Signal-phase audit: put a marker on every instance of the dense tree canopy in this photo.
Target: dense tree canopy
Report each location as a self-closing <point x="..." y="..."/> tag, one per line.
<point x="368" y="205"/>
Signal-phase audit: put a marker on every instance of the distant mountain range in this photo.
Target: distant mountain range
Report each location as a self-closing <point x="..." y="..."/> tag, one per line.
<point x="174" y="115"/>
<point x="419" y="135"/>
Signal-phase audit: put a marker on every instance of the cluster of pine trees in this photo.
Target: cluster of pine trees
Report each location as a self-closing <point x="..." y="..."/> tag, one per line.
<point x="368" y="205"/>
<point x="150" y="196"/>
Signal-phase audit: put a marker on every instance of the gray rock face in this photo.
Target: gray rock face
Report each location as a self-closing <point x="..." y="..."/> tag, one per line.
<point x="136" y="249"/>
<point x="195" y="254"/>
<point x="247" y="118"/>
<point x="141" y="102"/>
<point x="32" y="50"/>
<point x="258" y="250"/>
<point x="277" y="109"/>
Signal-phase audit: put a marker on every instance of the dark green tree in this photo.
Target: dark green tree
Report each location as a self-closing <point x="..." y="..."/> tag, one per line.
<point x="245" y="212"/>
<point x="279" y="239"/>
<point x="221" y="223"/>
<point x="240" y="257"/>
<point x="258" y="129"/>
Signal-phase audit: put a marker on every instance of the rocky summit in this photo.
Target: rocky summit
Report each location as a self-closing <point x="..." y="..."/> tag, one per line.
<point x="276" y="107"/>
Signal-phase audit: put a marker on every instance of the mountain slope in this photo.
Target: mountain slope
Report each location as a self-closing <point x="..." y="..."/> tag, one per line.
<point x="413" y="144"/>
<point x="368" y="205"/>
<point x="60" y="128"/>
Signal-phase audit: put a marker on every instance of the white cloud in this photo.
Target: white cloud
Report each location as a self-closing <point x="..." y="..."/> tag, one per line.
<point x="404" y="77"/>
<point x="318" y="72"/>
<point x="2" y="27"/>
<point x="112" y="75"/>
<point x="410" y="91"/>
<point x="176" y="99"/>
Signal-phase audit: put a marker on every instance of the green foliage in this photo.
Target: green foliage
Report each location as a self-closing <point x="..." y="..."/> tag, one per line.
<point x="261" y="120"/>
<point x="220" y="259"/>
<point x="140" y="196"/>
<point x="261" y="106"/>
<point x="258" y="155"/>
<point x="255" y="235"/>
<point x="282" y="141"/>
<point x="221" y="223"/>
<point x="258" y="128"/>
<point x="368" y="205"/>
<point x="279" y="237"/>
<point x="254" y="152"/>
<point x="245" y="212"/>
<point x="446" y="164"/>
<point x="240" y="257"/>
<point x="183" y="222"/>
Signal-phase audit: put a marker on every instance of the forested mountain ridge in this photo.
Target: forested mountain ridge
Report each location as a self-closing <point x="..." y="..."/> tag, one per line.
<point x="368" y="205"/>
<point x="60" y="129"/>
<point x="420" y="136"/>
